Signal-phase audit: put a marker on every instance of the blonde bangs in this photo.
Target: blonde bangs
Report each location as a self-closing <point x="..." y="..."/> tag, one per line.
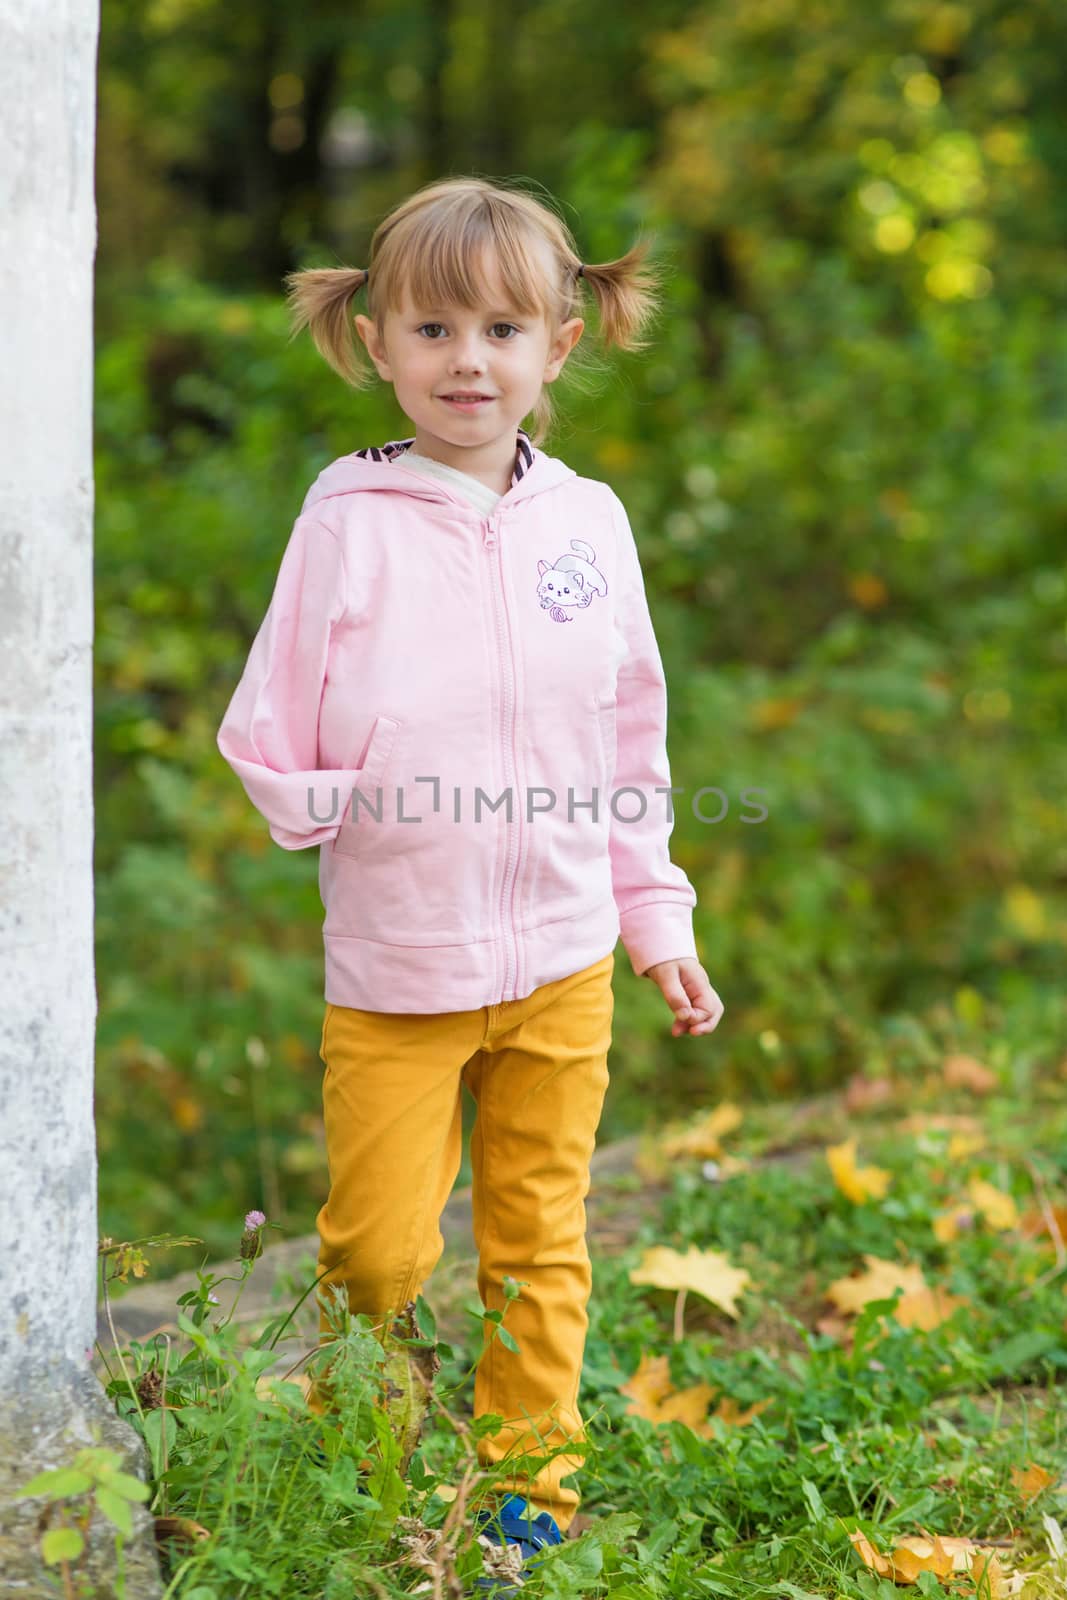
<point x="445" y="253"/>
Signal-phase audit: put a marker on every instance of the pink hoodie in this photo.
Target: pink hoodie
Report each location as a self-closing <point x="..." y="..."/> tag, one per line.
<point x="465" y="710"/>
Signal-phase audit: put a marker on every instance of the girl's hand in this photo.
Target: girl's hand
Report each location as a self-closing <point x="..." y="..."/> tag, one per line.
<point x="685" y="987"/>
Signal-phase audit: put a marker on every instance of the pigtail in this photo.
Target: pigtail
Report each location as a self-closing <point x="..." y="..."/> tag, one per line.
<point x="627" y="295"/>
<point x="319" y="300"/>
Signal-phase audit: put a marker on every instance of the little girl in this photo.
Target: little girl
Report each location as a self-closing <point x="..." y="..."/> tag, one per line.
<point x="457" y="692"/>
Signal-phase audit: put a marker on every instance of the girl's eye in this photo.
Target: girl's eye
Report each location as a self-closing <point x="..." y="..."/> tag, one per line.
<point x="423" y="326"/>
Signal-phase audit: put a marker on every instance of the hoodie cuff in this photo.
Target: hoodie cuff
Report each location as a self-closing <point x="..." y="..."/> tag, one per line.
<point x="660" y="931"/>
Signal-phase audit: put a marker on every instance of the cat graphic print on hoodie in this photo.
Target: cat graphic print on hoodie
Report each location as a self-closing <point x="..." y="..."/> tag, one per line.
<point x="467" y="714"/>
<point x="572" y="581"/>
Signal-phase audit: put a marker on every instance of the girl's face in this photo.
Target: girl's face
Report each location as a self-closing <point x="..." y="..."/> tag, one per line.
<point x="430" y="353"/>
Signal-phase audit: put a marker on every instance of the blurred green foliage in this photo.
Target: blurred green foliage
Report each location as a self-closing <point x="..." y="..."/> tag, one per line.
<point x="845" y="460"/>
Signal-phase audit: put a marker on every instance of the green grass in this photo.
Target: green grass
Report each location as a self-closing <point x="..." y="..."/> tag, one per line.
<point x="887" y="1429"/>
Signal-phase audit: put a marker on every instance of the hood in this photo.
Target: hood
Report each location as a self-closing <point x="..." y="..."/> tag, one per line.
<point x="377" y="467"/>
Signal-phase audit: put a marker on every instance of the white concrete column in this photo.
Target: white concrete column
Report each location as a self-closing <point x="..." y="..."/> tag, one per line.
<point x="50" y="1404"/>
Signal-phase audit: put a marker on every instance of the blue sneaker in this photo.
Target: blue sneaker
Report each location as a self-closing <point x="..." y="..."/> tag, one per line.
<point x="514" y="1523"/>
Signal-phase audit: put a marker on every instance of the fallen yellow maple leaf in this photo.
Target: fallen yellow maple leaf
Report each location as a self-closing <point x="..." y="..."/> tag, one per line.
<point x="703" y="1139"/>
<point x="1051" y="1219"/>
<point x="869" y="1555"/>
<point x="962" y="1145"/>
<point x="652" y="1397"/>
<point x="1030" y="1480"/>
<point x="919" y="1306"/>
<point x="911" y="1555"/>
<point x="927" y="1308"/>
<point x="647" y="1384"/>
<point x="987" y="1574"/>
<point x="943" y="1557"/>
<point x="948" y="1225"/>
<point x="879" y="1282"/>
<point x="705" y="1272"/>
<point x="987" y="1201"/>
<point x="728" y="1410"/>
<point x="860" y="1184"/>
<point x="998" y="1208"/>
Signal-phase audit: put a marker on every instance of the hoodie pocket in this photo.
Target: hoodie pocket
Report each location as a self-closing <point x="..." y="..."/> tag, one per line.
<point x="349" y="840"/>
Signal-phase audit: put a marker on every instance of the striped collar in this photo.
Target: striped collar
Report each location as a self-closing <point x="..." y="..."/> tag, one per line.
<point x="524" y="455"/>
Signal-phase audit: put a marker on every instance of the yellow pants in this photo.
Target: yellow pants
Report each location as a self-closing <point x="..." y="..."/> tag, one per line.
<point x="537" y="1069"/>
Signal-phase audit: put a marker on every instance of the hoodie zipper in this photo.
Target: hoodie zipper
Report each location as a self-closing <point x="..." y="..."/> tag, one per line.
<point x="490" y="530"/>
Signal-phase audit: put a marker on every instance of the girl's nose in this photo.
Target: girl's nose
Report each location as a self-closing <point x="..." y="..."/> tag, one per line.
<point x="467" y="358"/>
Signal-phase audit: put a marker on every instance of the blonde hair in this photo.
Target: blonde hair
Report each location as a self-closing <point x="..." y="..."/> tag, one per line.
<point x="432" y="246"/>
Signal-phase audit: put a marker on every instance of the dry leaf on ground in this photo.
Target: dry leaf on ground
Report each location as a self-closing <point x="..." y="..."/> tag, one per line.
<point x="928" y="1308"/>
<point x="652" y="1397"/>
<point x="181" y="1528"/>
<point x="704" y="1138"/>
<point x="920" y="1305"/>
<point x="998" y="1208"/>
<point x="880" y="1280"/>
<point x="859" y="1184"/>
<point x="964" y="1072"/>
<point x="948" y="1225"/>
<point x="1034" y="1223"/>
<point x="705" y="1272"/>
<point x="729" y="1411"/>
<point x="945" y="1558"/>
<point x="1030" y="1480"/>
<point x="861" y="1094"/>
<point x="962" y="1145"/>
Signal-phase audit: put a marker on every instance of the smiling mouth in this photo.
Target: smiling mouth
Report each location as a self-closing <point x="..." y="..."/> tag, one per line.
<point x="466" y="399"/>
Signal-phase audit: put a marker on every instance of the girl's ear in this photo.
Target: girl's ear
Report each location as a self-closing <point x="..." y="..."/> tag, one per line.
<point x="566" y="338"/>
<point x="368" y="332"/>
